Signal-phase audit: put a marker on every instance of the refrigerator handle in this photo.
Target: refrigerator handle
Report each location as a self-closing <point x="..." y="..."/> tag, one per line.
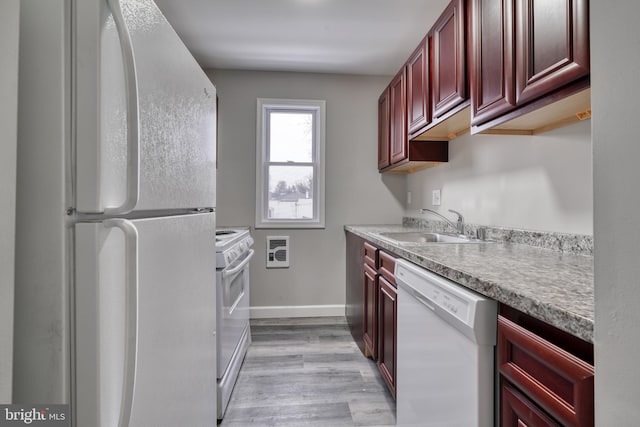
<point x="131" y="317"/>
<point x="133" y="134"/>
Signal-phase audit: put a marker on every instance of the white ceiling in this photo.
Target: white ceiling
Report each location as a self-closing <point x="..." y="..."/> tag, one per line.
<point x="327" y="36"/>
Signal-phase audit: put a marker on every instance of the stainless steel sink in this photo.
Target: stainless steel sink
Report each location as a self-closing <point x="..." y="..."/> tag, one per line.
<point x="426" y="237"/>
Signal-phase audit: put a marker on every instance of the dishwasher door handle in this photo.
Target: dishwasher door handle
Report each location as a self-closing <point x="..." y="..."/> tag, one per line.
<point x="423" y="300"/>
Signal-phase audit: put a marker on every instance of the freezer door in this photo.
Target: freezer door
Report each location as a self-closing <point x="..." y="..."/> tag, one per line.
<point x="145" y="322"/>
<point x="145" y="113"/>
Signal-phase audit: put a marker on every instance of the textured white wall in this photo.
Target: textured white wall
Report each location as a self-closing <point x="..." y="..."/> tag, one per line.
<point x="355" y="191"/>
<point x="541" y="182"/>
<point x="9" y="25"/>
<point x="615" y="58"/>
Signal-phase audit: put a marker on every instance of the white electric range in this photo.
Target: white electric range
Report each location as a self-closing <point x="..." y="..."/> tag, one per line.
<point x="233" y="254"/>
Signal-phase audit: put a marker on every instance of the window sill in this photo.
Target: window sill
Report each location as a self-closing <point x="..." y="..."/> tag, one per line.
<point x="289" y="225"/>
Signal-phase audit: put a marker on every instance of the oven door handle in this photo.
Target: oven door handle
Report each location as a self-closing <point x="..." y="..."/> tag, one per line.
<point x="234" y="270"/>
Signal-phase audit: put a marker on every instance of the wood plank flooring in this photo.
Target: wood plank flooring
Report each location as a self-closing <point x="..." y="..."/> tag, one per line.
<point x="307" y="372"/>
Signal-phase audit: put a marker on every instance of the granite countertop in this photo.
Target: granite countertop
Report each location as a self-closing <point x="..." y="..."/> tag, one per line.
<point x="553" y="286"/>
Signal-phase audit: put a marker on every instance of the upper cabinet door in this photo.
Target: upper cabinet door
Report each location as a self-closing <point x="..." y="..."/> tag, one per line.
<point x="418" y="96"/>
<point x="492" y="82"/>
<point x="383" y="129"/>
<point x="448" y="47"/>
<point x="552" y="45"/>
<point x="398" y="118"/>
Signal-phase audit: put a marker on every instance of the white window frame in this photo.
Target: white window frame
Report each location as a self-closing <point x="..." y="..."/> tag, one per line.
<point x="265" y="106"/>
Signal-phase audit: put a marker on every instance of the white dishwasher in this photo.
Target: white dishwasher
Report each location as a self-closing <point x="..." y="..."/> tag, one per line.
<point x="445" y="352"/>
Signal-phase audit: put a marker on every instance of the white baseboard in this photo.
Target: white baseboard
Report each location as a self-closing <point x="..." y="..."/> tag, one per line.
<point x="272" y="312"/>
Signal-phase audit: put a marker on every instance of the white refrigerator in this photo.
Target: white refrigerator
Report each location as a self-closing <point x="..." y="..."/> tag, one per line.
<point x="115" y="230"/>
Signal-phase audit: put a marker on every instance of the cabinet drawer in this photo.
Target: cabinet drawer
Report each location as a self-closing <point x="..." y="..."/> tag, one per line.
<point x="371" y="255"/>
<point x="557" y="381"/>
<point x="387" y="266"/>
<point x="517" y="410"/>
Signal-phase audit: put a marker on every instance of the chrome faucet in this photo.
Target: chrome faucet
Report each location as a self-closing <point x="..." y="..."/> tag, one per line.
<point x="458" y="226"/>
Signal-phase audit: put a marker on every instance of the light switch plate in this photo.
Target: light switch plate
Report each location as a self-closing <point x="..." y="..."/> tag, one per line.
<point x="435" y="197"/>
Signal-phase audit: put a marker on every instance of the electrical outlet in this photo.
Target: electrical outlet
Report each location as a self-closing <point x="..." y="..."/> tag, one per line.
<point x="435" y="197"/>
<point x="408" y="197"/>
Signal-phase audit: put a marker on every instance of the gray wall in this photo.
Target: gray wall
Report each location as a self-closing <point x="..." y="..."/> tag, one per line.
<point x="541" y="182"/>
<point x="355" y="192"/>
<point x="41" y="344"/>
<point x="9" y="25"/>
<point x="615" y="58"/>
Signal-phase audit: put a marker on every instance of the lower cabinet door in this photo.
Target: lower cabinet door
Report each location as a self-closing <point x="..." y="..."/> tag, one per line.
<point x="388" y="321"/>
<point x="370" y="333"/>
<point x="518" y="411"/>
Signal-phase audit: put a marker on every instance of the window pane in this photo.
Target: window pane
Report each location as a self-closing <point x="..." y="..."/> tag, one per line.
<point x="290" y="192"/>
<point x="291" y="137"/>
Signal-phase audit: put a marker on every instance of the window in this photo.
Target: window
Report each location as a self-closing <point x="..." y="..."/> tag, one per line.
<point x="290" y="163"/>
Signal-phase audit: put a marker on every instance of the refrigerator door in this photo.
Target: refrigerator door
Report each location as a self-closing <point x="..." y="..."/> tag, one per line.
<point x="145" y="322"/>
<point x="145" y="113"/>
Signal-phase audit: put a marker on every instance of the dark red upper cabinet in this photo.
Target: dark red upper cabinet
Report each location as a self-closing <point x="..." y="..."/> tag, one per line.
<point x="525" y="51"/>
<point x="396" y="154"/>
<point x="398" y="118"/>
<point x="383" y="129"/>
<point x="448" y="47"/>
<point x="552" y="45"/>
<point x="492" y="84"/>
<point x="418" y="97"/>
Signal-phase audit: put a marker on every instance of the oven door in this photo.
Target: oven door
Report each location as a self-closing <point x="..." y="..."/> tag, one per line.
<point x="232" y="311"/>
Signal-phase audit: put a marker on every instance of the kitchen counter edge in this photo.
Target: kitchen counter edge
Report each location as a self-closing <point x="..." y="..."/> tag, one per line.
<point x="523" y="291"/>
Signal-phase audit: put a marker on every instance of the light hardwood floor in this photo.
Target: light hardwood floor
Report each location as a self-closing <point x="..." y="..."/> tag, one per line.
<point x="307" y="372"/>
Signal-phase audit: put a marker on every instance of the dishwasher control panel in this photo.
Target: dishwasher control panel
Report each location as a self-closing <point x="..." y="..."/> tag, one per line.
<point x="436" y="292"/>
<point x="454" y="305"/>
